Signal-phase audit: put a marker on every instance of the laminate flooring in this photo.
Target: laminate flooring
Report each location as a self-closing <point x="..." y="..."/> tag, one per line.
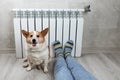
<point x="104" y="66"/>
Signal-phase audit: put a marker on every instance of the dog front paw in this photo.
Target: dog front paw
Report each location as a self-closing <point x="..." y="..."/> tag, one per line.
<point x="25" y="65"/>
<point x="28" y="69"/>
<point x="45" y="70"/>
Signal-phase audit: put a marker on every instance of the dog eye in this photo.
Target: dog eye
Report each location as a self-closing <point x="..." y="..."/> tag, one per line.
<point x="31" y="35"/>
<point x="37" y="35"/>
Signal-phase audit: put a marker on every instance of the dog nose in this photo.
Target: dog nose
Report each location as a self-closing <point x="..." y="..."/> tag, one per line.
<point x="34" y="40"/>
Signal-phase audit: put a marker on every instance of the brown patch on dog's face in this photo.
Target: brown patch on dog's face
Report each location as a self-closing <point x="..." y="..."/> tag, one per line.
<point x="41" y="39"/>
<point x="29" y="37"/>
<point x="35" y="37"/>
<point x="42" y="35"/>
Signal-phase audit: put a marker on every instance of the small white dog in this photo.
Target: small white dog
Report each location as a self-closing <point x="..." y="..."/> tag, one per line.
<point x="37" y="49"/>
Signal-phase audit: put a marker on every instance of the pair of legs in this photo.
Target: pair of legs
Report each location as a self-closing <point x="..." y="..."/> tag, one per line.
<point x="66" y="67"/>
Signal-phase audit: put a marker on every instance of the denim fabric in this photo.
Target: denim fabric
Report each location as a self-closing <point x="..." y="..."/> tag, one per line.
<point x="78" y="72"/>
<point x="61" y="71"/>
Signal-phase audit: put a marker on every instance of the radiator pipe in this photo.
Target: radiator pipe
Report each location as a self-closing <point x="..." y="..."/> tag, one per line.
<point x="87" y="8"/>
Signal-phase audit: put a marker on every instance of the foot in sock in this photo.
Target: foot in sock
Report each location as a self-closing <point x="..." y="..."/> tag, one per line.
<point x="68" y="47"/>
<point x="57" y="46"/>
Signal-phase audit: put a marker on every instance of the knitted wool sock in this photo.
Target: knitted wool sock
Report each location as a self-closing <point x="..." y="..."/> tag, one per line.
<point x="58" y="48"/>
<point x="68" y="48"/>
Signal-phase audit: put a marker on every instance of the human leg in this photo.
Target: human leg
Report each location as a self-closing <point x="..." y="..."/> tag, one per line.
<point x="77" y="70"/>
<point x="61" y="71"/>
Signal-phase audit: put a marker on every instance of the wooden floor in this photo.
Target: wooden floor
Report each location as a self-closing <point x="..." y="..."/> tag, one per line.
<point x="102" y="66"/>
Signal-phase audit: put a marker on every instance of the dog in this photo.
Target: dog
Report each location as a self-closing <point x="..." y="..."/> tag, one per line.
<point x="38" y="52"/>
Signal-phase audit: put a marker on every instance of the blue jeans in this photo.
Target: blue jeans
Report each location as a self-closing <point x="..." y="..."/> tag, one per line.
<point x="70" y="69"/>
<point x="61" y="71"/>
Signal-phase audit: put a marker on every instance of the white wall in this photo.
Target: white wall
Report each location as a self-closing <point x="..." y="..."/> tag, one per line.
<point x="101" y="28"/>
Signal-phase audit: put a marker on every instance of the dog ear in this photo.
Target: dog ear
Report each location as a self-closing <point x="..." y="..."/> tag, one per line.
<point x="44" y="32"/>
<point x="25" y="33"/>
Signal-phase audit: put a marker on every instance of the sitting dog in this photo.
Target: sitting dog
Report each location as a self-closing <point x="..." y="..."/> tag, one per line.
<point x="37" y="49"/>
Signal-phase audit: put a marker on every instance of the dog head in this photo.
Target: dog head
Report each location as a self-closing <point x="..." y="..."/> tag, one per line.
<point x="35" y="38"/>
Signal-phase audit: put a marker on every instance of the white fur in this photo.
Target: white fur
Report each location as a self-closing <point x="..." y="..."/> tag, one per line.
<point x="37" y="55"/>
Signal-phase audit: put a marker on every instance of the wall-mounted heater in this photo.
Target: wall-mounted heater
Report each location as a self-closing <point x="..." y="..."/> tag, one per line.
<point x="63" y="24"/>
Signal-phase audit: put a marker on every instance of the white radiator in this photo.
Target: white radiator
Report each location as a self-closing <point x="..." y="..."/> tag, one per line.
<point x="63" y="25"/>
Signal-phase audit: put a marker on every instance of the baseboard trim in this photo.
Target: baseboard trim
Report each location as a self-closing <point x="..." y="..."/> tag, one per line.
<point x="84" y="50"/>
<point x="7" y="50"/>
<point x="100" y="50"/>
